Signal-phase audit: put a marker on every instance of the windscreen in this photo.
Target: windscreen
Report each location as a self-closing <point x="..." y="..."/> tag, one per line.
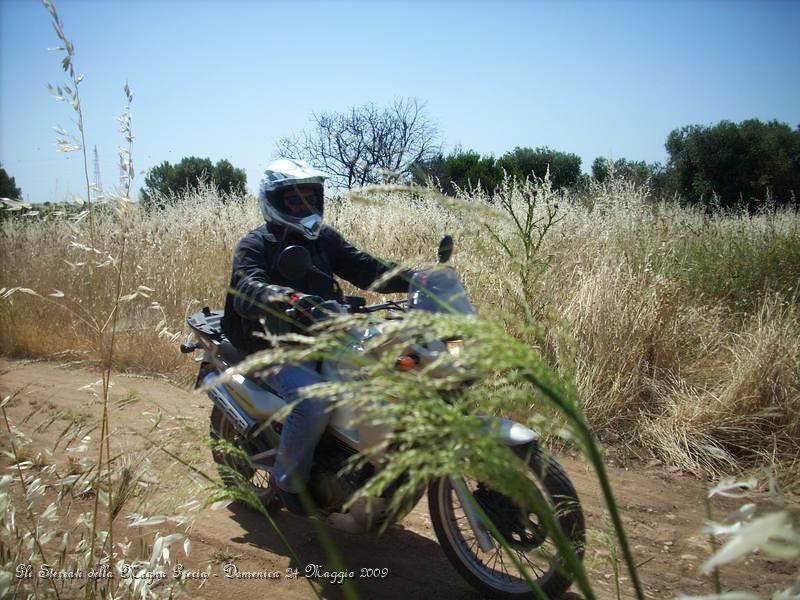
<point x="438" y="290"/>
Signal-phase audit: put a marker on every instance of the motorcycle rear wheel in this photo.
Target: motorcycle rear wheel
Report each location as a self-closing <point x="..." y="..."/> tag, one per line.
<point x="259" y="481"/>
<point x="493" y="573"/>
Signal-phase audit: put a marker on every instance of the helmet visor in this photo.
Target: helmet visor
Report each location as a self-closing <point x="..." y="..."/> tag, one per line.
<point x="299" y="202"/>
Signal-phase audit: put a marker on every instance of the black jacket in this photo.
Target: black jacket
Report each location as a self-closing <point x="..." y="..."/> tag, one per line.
<point x="255" y="277"/>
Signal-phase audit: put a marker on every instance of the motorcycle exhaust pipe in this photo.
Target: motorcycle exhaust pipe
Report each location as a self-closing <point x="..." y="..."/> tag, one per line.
<point x="242" y="422"/>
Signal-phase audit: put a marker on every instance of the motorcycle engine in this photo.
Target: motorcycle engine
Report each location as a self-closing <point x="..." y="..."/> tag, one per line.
<point x="329" y="489"/>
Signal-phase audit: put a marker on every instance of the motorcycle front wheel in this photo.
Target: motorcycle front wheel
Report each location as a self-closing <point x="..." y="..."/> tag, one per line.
<point x="493" y="573"/>
<point x="259" y="480"/>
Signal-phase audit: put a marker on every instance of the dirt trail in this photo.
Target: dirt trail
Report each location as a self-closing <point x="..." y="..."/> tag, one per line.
<point x="662" y="510"/>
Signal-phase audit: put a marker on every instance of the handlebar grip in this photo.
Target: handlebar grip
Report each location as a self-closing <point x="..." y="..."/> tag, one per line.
<point x="355" y="303"/>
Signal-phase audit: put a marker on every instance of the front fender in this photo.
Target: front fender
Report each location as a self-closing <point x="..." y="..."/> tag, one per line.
<point x="515" y="435"/>
<point x="509" y="432"/>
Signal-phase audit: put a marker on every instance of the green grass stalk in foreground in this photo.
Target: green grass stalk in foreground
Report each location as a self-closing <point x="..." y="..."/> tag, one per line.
<point x="712" y="542"/>
<point x="435" y="434"/>
<point x="592" y="450"/>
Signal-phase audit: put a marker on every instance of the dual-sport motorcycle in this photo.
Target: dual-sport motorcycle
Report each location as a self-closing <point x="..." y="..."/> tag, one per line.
<point x="246" y="414"/>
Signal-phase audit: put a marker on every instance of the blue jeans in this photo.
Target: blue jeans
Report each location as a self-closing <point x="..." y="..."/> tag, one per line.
<point x="303" y="427"/>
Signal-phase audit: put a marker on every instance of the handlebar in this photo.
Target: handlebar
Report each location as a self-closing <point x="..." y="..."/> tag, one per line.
<point x="354" y="308"/>
<point x="391" y="305"/>
<point x="357" y="304"/>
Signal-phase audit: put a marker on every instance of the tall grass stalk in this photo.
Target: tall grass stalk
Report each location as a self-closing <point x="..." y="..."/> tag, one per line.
<point x="594" y="454"/>
<point x="103" y="328"/>
<point x="66" y="142"/>
<point x="72" y="95"/>
<point x="530" y="227"/>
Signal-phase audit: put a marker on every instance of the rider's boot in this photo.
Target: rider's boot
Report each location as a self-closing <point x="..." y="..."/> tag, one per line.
<point x="293" y="503"/>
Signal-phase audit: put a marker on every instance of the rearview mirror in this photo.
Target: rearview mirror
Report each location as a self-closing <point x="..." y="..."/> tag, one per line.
<point x="445" y="249"/>
<point x="294" y="262"/>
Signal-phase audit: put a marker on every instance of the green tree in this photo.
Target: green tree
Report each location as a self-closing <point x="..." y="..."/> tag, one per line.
<point x="523" y="163"/>
<point x="462" y="169"/>
<point x="165" y="181"/>
<point x="637" y="171"/>
<point x="740" y="163"/>
<point x="8" y="186"/>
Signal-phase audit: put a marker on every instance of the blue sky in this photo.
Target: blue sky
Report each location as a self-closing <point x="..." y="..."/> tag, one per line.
<point x="227" y="79"/>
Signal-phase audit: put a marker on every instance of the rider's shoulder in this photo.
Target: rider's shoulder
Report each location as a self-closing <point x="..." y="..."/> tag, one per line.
<point x="258" y="237"/>
<point x="330" y="235"/>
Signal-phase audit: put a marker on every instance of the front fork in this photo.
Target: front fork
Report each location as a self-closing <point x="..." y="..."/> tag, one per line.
<point x="512" y="434"/>
<point x="473" y="517"/>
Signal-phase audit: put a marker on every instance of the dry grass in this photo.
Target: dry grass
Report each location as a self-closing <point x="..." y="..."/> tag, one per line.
<point x="679" y="327"/>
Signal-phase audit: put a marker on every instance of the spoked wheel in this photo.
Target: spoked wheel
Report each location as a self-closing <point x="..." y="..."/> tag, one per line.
<point x="259" y="480"/>
<point x="494" y="573"/>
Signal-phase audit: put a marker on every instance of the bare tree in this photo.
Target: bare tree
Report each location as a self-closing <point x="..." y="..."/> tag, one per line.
<point x="367" y="144"/>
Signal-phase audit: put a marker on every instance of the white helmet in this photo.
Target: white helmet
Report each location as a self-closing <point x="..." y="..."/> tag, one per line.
<point x="288" y="174"/>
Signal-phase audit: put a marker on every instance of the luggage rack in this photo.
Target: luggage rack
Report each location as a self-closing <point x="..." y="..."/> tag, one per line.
<point x="208" y="322"/>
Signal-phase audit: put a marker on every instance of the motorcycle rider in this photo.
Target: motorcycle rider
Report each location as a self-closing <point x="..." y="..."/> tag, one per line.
<point x="291" y="198"/>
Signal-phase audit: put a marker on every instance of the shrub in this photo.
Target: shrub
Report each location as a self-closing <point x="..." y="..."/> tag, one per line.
<point x="164" y="183"/>
<point x="736" y="163"/>
<point x="527" y="163"/>
<point x="8" y="186"/>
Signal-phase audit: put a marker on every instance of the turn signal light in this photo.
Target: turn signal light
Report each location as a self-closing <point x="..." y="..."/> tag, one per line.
<point x="405" y="363"/>
<point x="454" y="347"/>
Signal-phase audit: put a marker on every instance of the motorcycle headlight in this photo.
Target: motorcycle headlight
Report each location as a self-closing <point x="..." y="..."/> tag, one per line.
<point x="454" y="347"/>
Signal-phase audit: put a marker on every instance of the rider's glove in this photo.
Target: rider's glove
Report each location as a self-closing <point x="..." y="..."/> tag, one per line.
<point x="275" y="297"/>
<point x="308" y="308"/>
